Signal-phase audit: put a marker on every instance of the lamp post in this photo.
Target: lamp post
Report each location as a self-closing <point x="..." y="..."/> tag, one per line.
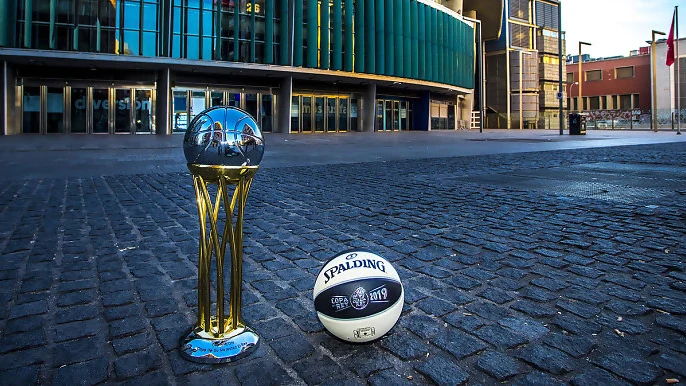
<point x="581" y="78"/>
<point x="653" y="116"/>
<point x="570" y="92"/>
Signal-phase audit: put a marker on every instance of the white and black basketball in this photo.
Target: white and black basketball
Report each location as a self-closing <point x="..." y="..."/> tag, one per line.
<point x="358" y="296"/>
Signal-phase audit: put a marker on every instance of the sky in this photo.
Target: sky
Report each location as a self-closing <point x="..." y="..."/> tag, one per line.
<point x="616" y="27"/>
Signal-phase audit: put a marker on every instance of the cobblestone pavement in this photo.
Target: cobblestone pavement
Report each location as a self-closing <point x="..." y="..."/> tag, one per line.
<point x="536" y="268"/>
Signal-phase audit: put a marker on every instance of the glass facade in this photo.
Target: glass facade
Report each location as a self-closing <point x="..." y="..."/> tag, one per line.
<point x="327" y="34"/>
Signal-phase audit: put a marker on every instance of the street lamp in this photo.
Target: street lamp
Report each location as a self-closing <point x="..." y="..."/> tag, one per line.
<point x="581" y="78"/>
<point x="570" y="92"/>
<point x="653" y="116"/>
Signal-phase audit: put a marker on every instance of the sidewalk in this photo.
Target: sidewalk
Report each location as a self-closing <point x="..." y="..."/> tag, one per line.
<point x="527" y="258"/>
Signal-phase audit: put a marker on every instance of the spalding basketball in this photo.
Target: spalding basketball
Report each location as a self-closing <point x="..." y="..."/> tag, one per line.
<point x="358" y="296"/>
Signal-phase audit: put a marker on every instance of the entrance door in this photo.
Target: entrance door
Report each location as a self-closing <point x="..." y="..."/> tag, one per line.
<point x="198" y="104"/>
<point x="380" y="122"/>
<point x="122" y="111"/>
<point x="55" y="110"/>
<point x="295" y="114"/>
<point x="342" y="114"/>
<point x="79" y="104"/>
<point x="319" y="114"/>
<point x="266" y="113"/>
<point x="331" y="115"/>
<point x="180" y="113"/>
<point x="234" y="99"/>
<point x="216" y="98"/>
<point x="403" y="115"/>
<point x="100" y="112"/>
<point x="307" y="114"/>
<point x="396" y="115"/>
<point x="144" y="111"/>
<point x="388" y="116"/>
<point x="251" y="105"/>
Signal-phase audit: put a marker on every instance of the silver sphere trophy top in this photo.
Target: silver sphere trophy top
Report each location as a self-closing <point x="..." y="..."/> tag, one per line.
<point x="223" y="147"/>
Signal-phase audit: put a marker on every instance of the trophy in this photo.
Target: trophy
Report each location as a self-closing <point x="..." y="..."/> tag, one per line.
<point x="223" y="147"/>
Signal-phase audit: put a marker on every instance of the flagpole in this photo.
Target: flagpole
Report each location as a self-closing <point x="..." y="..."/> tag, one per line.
<point x="678" y="77"/>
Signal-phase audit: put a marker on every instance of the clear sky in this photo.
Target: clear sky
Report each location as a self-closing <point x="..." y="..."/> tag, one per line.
<point x="616" y="27"/>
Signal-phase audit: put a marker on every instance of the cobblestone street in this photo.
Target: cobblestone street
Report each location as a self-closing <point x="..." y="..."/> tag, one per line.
<point x="539" y="268"/>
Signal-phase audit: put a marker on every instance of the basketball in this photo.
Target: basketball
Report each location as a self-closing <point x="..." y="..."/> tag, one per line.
<point x="358" y="296"/>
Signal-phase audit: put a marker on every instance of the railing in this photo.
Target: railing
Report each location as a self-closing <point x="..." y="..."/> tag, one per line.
<point x="475" y="122"/>
<point x="633" y="119"/>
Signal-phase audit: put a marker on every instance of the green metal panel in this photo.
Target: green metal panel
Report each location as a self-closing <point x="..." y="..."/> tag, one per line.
<point x="370" y="31"/>
<point x="268" y="32"/>
<point x="397" y="38"/>
<point x="359" y="36"/>
<point x="348" y="25"/>
<point x="421" y="41"/>
<point x="298" y="33"/>
<point x="311" y="33"/>
<point x="433" y="31"/>
<point x="284" y="40"/>
<point x="337" y="31"/>
<point x="452" y="59"/>
<point x="414" y="41"/>
<point x="389" y="32"/>
<point x="470" y="56"/>
<point x="440" y="45"/>
<point x="236" y="23"/>
<point x="28" y="14"/>
<point x="407" y="40"/>
<point x="217" y="31"/>
<point x="252" y="33"/>
<point x="324" y="34"/>
<point x="380" y="42"/>
<point x="53" y="18"/>
<point x="8" y="8"/>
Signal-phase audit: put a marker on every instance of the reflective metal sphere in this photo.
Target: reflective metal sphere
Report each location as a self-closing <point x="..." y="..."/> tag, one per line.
<point x="225" y="136"/>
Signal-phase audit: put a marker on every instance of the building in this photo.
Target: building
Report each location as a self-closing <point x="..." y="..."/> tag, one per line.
<point x="523" y="67"/>
<point x="620" y="85"/>
<point x="666" y="83"/>
<point x="298" y="66"/>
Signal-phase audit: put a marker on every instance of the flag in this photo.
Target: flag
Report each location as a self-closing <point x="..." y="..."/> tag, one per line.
<point x="670" y="43"/>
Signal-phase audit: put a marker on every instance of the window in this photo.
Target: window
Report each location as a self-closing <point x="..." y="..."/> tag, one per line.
<point x="594" y="75"/>
<point x="625" y="102"/>
<point x="624" y="72"/>
<point x="570" y="77"/>
<point x="550" y="60"/>
<point x="520" y="36"/>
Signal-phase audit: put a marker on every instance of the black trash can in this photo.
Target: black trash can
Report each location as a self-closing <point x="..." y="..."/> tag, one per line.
<point x="577" y="124"/>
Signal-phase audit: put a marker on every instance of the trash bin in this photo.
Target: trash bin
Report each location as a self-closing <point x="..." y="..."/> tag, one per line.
<point x="577" y="124"/>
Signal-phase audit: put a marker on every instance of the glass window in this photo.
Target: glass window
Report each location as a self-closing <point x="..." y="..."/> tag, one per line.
<point x="31" y="113"/>
<point x="624" y="72"/>
<point x="594" y="75"/>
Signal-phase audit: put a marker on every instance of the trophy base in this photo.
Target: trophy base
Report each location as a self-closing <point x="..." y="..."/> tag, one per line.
<point x="197" y="347"/>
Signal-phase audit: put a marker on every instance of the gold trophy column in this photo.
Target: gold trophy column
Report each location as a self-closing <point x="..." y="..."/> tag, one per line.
<point x="220" y="338"/>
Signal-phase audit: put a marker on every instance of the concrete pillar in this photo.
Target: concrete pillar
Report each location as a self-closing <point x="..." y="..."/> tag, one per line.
<point x="466" y="104"/>
<point x="470" y="14"/>
<point x="284" y="101"/>
<point x="8" y="87"/>
<point x="368" y="113"/>
<point x="163" y="105"/>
